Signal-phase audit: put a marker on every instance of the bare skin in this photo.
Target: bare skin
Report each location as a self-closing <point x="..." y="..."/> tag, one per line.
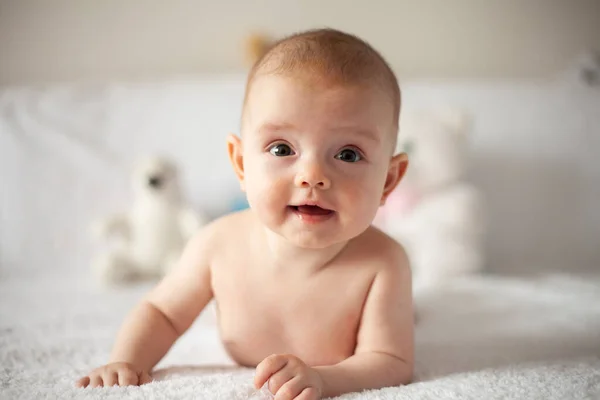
<point x="347" y="315"/>
<point x="306" y="290"/>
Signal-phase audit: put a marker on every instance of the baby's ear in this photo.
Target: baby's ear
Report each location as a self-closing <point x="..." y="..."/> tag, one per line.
<point x="396" y="171"/>
<point x="234" y="148"/>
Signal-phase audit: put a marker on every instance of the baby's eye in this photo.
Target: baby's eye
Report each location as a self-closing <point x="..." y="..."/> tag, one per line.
<point x="349" y="155"/>
<point x="408" y="147"/>
<point x="281" y="150"/>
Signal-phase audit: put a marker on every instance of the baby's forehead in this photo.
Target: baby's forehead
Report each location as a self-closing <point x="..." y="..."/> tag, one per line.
<point x="274" y="101"/>
<point x="317" y="83"/>
<point x="279" y="91"/>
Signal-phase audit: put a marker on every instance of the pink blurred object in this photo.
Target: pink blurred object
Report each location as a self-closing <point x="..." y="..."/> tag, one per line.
<point x="403" y="200"/>
<point x="436" y="214"/>
<point x="399" y="203"/>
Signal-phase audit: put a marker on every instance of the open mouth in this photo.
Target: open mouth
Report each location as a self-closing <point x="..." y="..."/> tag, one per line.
<point x="311" y="210"/>
<point x="310" y="213"/>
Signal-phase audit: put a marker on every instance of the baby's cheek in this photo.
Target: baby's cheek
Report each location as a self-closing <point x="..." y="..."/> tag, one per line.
<point x="276" y="193"/>
<point x="362" y="197"/>
<point x="363" y="186"/>
<point x="266" y="191"/>
<point x="258" y="176"/>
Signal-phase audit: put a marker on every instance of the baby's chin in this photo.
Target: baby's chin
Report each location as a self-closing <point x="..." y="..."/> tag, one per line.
<point x="314" y="240"/>
<point x="307" y="238"/>
<point x="312" y="243"/>
<point x="315" y="235"/>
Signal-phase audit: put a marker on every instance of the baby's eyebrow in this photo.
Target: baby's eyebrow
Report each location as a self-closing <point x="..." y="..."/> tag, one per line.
<point x="273" y="127"/>
<point x="366" y="133"/>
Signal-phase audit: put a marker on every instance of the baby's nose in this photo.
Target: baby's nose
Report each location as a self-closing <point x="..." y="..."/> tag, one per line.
<point x="312" y="176"/>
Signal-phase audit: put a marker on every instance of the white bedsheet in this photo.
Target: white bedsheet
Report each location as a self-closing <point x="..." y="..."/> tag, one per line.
<point x="482" y="338"/>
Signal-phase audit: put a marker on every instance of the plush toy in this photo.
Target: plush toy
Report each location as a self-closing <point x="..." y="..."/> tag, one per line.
<point x="151" y="236"/>
<point x="434" y="212"/>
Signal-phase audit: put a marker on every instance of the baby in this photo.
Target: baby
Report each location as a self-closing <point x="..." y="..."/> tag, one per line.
<point x="307" y="291"/>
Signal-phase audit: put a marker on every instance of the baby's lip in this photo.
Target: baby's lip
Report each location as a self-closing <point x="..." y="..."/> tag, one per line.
<point x="311" y="213"/>
<point x="311" y="204"/>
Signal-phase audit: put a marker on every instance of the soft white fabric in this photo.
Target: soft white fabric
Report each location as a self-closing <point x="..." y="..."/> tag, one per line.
<point x="152" y="233"/>
<point x="435" y="212"/>
<point x="482" y="338"/>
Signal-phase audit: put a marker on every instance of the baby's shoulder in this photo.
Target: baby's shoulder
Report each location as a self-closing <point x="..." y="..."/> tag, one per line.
<point x="224" y="231"/>
<point x="381" y="250"/>
<point x="229" y="226"/>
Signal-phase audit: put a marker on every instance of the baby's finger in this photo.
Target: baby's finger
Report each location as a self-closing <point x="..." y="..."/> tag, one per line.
<point x="110" y="378"/>
<point x="268" y="367"/>
<point x="145" y="378"/>
<point x="83" y="382"/>
<point x="291" y="389"/>
<point x="278" y="379"/>
<point x="308" y="393"/>
<point x="127" y="377"/>
<point x="95" y="381"/>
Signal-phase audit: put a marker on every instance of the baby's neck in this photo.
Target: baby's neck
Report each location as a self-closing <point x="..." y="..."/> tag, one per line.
<point x="284" y="256"/>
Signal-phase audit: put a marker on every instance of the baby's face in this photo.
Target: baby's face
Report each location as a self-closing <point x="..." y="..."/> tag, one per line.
<point x="315" y="158"/>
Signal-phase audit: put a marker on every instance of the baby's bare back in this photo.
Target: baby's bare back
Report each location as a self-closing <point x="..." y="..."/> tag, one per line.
<point x="263" y="310"/>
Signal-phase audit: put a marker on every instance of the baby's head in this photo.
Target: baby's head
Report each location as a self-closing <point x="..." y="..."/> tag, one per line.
<point x="319" y="128"/>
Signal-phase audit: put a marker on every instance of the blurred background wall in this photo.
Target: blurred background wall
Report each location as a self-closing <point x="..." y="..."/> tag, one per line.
<point x="43" y="40"/>
<point x="87" y="86"/>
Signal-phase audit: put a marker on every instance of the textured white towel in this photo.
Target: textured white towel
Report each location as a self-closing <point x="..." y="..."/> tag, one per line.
<point x="483" y="338"/>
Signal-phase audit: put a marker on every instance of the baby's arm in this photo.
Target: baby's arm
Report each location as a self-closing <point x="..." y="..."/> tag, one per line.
<point x="158" y="320"/>
<point x="385" y="347"/>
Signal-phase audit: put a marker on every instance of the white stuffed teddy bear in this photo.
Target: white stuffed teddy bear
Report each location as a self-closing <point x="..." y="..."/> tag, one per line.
<point x="152" y="234"/>
<point x="434" y="212"/>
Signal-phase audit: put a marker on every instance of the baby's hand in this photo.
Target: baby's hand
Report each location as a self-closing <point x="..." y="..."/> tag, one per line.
<point x="119" y="373"/>
<point x="289" y="378"/>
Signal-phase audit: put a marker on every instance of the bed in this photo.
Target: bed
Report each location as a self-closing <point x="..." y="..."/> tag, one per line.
<point x="483" y="337"/>
<point x="64" y="154"/>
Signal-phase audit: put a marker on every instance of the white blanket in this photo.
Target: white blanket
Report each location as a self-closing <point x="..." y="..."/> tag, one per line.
<point x="483" y="338"/>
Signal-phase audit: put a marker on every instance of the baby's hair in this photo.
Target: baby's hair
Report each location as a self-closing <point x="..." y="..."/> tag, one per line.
<point x="329" y="56"/>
